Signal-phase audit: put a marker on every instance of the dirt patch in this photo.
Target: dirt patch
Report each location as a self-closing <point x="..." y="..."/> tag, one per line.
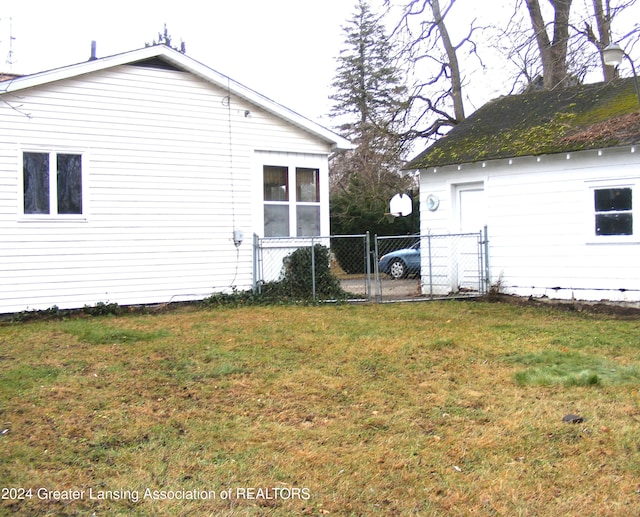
<point x="620" y="310"/>
<point x="400" y="289"/>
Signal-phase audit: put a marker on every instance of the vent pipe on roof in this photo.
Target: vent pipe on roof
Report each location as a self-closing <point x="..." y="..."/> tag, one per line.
<point x="93" y="51"/>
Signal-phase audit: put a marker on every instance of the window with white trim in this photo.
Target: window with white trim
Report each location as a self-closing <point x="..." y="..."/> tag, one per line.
<point x="52" y="183"/>
<point x="291" y="201"/>
<point x="613" y="208"/>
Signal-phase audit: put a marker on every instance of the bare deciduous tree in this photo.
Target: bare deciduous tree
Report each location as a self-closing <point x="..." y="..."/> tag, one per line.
<point x="598" y="26"/>
<point x="553" y="50"/>
<point x="561" y="51"/>
<point x="438" y="101"/>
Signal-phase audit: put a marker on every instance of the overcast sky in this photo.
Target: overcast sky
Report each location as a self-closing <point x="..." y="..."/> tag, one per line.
<point x="284" y="49"/>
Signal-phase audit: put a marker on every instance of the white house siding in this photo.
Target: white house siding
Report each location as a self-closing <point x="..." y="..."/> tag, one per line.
<point x="169" y="173"/>
<point x="540" y="218"/>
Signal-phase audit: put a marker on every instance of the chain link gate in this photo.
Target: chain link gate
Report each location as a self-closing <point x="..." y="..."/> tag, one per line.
<point x="347" y="258"/>
<point x="410" y="267"/>
<point x="415" y="267"/>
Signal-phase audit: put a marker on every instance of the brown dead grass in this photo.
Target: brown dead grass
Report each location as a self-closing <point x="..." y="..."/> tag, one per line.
<point x="373" y="410"/>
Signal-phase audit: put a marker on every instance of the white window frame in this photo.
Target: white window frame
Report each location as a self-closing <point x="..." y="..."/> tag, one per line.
<point x="53" y="214"/>
<point x="293" y="203"/>
<point x="590" y="211"/>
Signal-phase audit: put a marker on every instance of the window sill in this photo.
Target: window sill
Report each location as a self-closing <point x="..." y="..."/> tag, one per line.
<point x="53" y="219"/>
<point x="613" y="239"/>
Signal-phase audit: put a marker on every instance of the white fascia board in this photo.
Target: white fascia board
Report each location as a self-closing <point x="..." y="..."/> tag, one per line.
<point x="185" y="63"/>
<point x="86" y="67"/>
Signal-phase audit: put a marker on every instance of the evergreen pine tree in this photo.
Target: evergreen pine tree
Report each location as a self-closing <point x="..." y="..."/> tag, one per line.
<point x="369" y="103"/>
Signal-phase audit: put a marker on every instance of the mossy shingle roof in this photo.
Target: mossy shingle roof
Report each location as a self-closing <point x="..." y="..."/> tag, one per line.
<point x="591" y="116"/>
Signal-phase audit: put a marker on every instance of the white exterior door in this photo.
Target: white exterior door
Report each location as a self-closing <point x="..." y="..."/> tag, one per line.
<point x="471" y="218"/>
<point x="472" y="207"/>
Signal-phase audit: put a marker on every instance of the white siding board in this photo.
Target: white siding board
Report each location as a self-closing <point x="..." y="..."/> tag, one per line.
<point x="169" y="172"/>
<point x="97" y="277"/>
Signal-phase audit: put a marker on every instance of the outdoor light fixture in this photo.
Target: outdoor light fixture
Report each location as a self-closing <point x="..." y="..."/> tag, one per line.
<point x="612" y="55"/>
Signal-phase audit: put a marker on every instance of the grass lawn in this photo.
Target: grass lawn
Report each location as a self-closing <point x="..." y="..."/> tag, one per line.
<point x="452" y="408"/>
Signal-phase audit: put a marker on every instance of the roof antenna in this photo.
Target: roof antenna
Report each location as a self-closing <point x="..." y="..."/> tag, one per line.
<point x="93" y="51"/>
<point x="9" y="60"/>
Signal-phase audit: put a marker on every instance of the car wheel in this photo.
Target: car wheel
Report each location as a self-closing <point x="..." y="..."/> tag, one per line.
<point x="397" y="269"/>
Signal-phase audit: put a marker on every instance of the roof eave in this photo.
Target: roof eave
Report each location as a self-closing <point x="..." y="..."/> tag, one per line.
<point x="599" y="149"/>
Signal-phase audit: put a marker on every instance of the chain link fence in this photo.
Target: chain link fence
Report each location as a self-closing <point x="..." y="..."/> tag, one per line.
<point x="316" y="268"/>
<point x="431" y="266"/>
<point x="387" y="268"/>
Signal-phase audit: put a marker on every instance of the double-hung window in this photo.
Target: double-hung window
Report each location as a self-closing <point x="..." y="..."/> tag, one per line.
<point x="613" y="209"/>
<point x="291" y="201"/>
<point x="276" y="201"/>
<point x="52" y="183"/>
<point x="307" y="202"/>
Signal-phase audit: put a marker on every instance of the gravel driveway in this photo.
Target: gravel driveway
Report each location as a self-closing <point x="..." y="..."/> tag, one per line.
<point x="391" y="289"/>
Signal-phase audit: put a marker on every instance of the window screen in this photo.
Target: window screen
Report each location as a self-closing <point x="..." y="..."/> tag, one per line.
<point x="276" y="184"/>
<point x="276" y="220"/>
<point x="307" y="185"/>
<point x="69" y="184"/>
<point x="308" y="218"/>
<point x="36" y="183"/>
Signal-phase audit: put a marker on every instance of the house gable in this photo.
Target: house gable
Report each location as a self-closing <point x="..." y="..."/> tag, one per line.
<point x="164" y="57"/>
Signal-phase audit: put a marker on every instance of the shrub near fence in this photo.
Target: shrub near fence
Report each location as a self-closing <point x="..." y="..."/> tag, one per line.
<point x="307" y="276"/>
<point x="309" y="268"/>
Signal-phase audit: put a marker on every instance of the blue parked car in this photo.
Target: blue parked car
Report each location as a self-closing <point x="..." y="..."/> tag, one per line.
<point x="400" y="263"/>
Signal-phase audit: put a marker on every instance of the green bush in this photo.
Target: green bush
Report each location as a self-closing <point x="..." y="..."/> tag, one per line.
<point x="298" y="280"/>
<point x="357" y="218"/>
<point x="350" y="255"/>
